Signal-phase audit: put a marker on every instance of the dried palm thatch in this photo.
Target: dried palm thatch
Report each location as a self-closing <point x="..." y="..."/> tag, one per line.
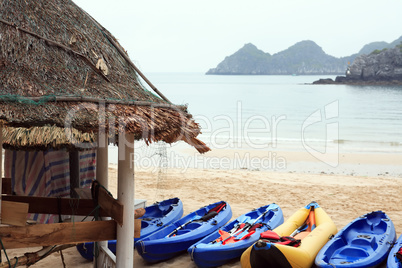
<point x="59" y="68"/>
<point x="46" y="137"/>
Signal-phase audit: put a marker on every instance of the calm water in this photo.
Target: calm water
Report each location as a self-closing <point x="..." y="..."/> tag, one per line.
<point x="287" y="113"/>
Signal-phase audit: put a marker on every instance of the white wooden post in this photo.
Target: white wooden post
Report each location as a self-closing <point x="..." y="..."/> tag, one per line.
<point x="102" y="169"/>
<point x="1" y="163"/>
<point x="125" y="189"/>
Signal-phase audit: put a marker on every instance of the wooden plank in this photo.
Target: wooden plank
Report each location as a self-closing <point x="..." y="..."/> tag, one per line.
<point x="6" y="186"/>
<point x="57" y="234"/>
<point x="50" y="205"/>
<point x="111" y="206"/>
<point x="14" y="213"/>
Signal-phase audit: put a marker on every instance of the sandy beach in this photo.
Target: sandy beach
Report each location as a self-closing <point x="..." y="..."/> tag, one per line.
<point x="343" y="192"/>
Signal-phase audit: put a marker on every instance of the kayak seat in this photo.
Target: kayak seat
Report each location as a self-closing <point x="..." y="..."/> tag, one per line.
<point x="338" y="243"/>
<point x="193" y="226"/>
<point x="167" y="210"/>
<point x="154" y="213"/>
<point x="351" y="254"/>
<point x="379" y="228"/>
<point x="366" y="243"/>
<point x="164" y="209"/>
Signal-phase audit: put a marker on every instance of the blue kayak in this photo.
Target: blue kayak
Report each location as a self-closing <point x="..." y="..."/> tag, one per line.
<point x="393" y="261"/>
<point x="365" y="242"/>
<point x="231" y="240"/>
<point x="156" y="217"/>
<point x="177" y="237"/>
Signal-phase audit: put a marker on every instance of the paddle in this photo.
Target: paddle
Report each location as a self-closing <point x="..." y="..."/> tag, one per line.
<point x="308" y="225"/>
<point x="209" y="215"/>
<point x="246" y="226"/>
<point x="240" y="220"/>
<point x="206" y="217"/>
<point x="300" y="229"/>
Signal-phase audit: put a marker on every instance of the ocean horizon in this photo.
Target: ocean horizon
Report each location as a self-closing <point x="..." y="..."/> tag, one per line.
<point x="283" y="111"/>
<point x="282" y="114"/>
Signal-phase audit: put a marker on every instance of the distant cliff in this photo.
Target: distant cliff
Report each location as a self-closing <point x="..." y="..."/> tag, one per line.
<point x="379" y="67"/>
<point x="303" y="58"/>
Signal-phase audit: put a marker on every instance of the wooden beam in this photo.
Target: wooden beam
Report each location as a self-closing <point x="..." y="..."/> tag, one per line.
<point x="6" y="186"/>
<point x="54" y="205"/>
<point x="111" y="206"/>
<point x="57" y="234"/>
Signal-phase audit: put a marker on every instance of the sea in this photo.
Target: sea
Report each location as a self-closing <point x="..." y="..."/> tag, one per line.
<point x="285" y="113"/>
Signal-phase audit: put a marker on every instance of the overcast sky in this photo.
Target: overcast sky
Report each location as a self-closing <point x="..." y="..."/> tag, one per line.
<point x="194" y="36"/>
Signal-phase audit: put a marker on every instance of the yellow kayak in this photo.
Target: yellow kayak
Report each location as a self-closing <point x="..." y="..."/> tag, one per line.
<point x="295" y="243"/>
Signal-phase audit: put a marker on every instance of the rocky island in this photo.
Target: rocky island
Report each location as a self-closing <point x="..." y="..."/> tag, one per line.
<point x="303" y="58"/>
<point x="375" y="63"/>
<point x="380" y="67"/>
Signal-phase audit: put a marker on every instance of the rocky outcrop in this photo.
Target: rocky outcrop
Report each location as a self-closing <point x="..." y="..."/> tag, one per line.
<point x="379" y="67"/>
<point x="384" y="65"/>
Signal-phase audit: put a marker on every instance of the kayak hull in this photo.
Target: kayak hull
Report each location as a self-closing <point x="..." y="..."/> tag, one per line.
<point x="207" y="254"/>
<point x="365" y="242"/>
<point x="156" y="216"/>
<point x="284" y="256"/>
<point x="161" y="245"/>
<point x="392" y="261"/>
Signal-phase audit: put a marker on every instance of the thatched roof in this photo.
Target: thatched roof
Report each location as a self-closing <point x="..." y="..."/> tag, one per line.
<point x="61" y="68"/>
<point x="46" y="137"/>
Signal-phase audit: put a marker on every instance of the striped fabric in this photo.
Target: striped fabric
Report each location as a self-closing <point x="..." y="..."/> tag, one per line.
<point x="46" y="174"/>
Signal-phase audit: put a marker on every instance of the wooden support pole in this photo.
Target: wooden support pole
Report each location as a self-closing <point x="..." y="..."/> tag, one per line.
<point x="125" y="233"/>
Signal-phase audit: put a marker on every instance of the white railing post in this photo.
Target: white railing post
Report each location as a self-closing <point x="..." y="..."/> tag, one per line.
<point x="102" y="169"/>
<point x="125" y="189"/>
